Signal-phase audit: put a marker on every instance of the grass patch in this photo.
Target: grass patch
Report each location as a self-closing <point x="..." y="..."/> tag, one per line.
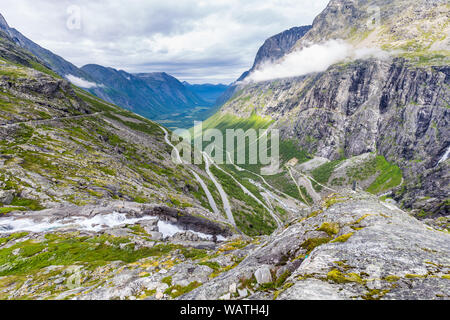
<point x="343" y="238"/>
<point x="323" y="173"/>
<point x="312" y="243"/>
<point x="213" y="265"/>
<point x="177" y="291"/>
<point x="223" y="122"/>
<point x="339" y="277"/>
<point x="31" y="204"/>
<point x="390" y="176"/>
<point x="167" y="280"/>
<point x="7" y="210"/>
<point x="289" y="149"/>
<point x="14" y="236"/>
<point x="194" y="254"/>
<point x="64" y="250"/>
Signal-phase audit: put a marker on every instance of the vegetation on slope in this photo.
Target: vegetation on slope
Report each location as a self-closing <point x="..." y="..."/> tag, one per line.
<point x="251" y="218"/>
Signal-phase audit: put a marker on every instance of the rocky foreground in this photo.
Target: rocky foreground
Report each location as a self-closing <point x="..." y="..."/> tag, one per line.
<point x="352" y="246"/>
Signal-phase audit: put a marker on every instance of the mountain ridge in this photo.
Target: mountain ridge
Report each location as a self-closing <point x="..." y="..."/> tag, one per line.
<point x="51" y="60"/>
<point x="208" y="92"/>
<point x="150" y="102"/>
<point x="273" y="49"/>
<point x="276" y="47"/>
<point x="150" y="94"/>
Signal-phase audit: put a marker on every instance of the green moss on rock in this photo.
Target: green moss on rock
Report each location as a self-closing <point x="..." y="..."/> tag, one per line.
<point x="343" y="238"/>
<point x="336" y="276"/>
<point x="310" y="244"/>
<point x="331" y="228"/>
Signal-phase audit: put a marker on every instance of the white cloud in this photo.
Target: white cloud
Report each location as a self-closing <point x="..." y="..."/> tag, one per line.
<point x="154" y="35"/>
<point x="313" y="58"/>
<point x="81" y="82"/>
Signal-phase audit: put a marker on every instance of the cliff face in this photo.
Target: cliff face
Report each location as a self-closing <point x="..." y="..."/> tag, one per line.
<point x="402" y="25"/>
<point x="396" y="106"/>
<point x="277" y="46"/>
<point x="390" y="107"/>
<point x="272" y="50"/>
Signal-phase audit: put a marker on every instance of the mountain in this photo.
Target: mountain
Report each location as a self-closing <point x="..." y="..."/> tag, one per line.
<point x="171" y="91"/>
<point x="401" y="28"/>
<point x="109" y="153"/>
<point x="94" y="204"/>
<point x="49" y="59"/>
<point x="276" y="47"/>
<point x="208" y="92"/>
<point x="273" y="49"/>
<point x="363" y="118"/>
<point x="98" y="186"/>
<point x="151" y="95"/>
<point x="71" y="161"/>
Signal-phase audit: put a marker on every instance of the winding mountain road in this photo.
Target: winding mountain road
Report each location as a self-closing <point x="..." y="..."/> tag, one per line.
<point x="211" y="201"/>
<point x="275" y="190"/>
<point x="298" y="187"/>
<point x="223" y="194"/>
<point x="312" y="179"/>
<point x="305" y="182"/>
<point x="249" y="193"/>
<point x="177" y="157"/>
<point x="178" y="160"/>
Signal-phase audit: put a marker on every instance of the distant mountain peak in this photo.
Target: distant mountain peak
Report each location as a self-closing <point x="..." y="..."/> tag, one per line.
<point x="276" y="47"/>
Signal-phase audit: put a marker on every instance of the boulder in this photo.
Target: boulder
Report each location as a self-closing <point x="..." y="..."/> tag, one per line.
<point x="6" y="196"/>
<point x="157" y="236"/>
<point x="263" y="275"/>
<point x="243" y="293"/>
<point x="149" y="225"/>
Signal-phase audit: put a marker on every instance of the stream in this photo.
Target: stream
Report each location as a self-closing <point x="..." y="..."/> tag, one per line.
<point x="97" y="223"/>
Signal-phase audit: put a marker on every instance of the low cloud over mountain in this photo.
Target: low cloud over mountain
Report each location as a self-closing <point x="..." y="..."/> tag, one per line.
<point x="314" y="58"/>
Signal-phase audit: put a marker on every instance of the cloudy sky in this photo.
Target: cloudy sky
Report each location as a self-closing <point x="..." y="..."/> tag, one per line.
<point x="195" y="40"/>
